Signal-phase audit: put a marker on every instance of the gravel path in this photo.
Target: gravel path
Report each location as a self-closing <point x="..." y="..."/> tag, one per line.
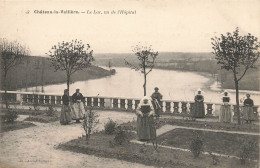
<point x="35" y="146"/>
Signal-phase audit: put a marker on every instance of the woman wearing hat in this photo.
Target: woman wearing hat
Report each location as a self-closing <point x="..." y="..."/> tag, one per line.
<point x="157" y="101"/>
<point x="65" y="116"/>
<point x="145" y="123"/>
<point x="248" y="109"/>
<point x="78" y="109"/>
<point x="199" y="109"/>
<point x="225" y="114"/>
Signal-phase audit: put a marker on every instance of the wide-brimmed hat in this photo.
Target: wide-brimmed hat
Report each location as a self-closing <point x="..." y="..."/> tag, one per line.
<point x="156" y="88"/>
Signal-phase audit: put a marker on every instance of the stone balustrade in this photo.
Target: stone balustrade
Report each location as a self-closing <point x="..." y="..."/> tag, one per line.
<point x="112" y="103"/>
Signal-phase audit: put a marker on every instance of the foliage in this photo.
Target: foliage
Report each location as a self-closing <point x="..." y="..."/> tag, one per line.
<point x="90" y="121"/>
<point x="120" y="136"/>
<point x="50" y="111"/>
<point x="110" y="127"/>
<point x="246" y="150"/>
<point x="70" y="57"/>
<point x="196" y="144"/>
<point x="9" y="116"/>
<point x="11" y="54"/>
<point x="236" y="53"/>
<point x="146" y="61"/>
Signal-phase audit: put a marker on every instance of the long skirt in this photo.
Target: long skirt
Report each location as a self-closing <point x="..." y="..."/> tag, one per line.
<point x="225" y="114"/>
<point x="65" y="116"/>
<point x="248" y="113"/>
<point x="198" y="110"/>
<point x="78" y="111"/>
<point x="145" y="128"/>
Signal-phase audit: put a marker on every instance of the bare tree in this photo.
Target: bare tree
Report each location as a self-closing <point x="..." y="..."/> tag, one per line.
<point x="71" y="57"/>
<point x="12" y="54"/>
<point x="236" y="53"/>
<point x="146" y="59"/>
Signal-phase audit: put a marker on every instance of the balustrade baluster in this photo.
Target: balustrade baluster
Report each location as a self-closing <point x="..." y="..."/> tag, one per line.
<point x="122" y="103"/>
<point x="129" y="104"/>
<point x="176" y="107"/>
<point x="89" y="101"/>
<point x="168" y="107"/>
<point x="95" y="102"/>
<point x="115" y="103"/>
<point x="102" y="102"/>
<point x="183" y="107"/>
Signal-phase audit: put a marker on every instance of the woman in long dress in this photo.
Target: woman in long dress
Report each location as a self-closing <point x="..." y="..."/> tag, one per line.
<point x="65" y="116"/>
<point x="248" y="109"/>
<point x="145" y="120"/>
<point x="199" y="110"/>
<point x="225" y="114"/>
<point x="78" y="109"/>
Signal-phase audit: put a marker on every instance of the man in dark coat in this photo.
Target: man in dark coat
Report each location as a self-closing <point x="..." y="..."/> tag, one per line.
<point x="157" y="101"/>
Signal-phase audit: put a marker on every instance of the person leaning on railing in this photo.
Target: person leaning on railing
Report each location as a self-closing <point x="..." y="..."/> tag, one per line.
<point x="248" y="109"/>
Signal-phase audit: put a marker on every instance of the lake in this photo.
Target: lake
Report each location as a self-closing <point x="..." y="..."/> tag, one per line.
<point x="174" y="85"/>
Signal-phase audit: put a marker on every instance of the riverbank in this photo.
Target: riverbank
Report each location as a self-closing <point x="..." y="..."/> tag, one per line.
<point x="37" y="71"/>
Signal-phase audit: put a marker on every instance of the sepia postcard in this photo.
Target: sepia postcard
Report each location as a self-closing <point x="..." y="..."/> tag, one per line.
<point x="129" y="83"/>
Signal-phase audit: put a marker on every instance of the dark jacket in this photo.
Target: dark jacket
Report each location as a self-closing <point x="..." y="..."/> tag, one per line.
<point x="77" y="96"/>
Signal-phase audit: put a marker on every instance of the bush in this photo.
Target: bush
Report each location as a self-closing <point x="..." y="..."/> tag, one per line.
<point x="121" y="136"/>
<point x="246" y="150"/>
<point x="10" y="116"/>
<point x="110" y="127"/>
<point x="50" y="111"/>
<point x="196" y="144"/>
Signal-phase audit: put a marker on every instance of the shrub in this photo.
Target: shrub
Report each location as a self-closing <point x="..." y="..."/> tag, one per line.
<point x="196" y="144"/>
<point x="10" y="116"/>
<point x="121" y="136"/>
<point x="90" y="121"/>
<point x="110" y="127"/>
<point x="246" y="150"/>
<point x="50" y="111"/>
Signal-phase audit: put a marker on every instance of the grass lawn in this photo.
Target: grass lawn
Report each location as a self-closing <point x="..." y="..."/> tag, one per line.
<point x="43" y="118"/>
<point x="102" y="145"/>
<point x="11" y="126"/>
<point x="223" y="143"/>
<point x="199" y="124"/>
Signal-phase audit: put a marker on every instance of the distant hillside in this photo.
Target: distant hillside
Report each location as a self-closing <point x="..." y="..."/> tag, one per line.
<point x="117" y="60"/>
<point x="37" y="71"/>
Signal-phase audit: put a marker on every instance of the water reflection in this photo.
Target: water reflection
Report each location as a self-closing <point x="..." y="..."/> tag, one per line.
<point x="174" y="85"/>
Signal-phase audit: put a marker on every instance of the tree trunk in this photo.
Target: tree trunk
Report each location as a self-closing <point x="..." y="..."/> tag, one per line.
<point x="144" y="85"/>
<point x="5" y="94"/>
<point x="237" y="103"/>
<point x="237" y="110"/>
<point x="68" y="82"/>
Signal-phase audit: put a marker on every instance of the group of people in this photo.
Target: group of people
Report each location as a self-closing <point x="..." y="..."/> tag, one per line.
<point x="150" y="107"/>
<point x="76" y="111"/>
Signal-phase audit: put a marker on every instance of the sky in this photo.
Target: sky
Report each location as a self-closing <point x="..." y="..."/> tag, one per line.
<point x="167" y="25"/>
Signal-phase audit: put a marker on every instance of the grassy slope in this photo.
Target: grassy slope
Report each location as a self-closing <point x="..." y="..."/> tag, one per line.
<point x="28" y="71"/>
